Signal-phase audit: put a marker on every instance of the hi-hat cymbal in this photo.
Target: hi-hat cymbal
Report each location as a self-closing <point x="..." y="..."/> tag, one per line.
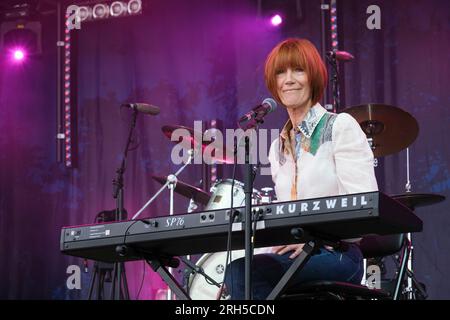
<point x="413" y="200"/>
<point x="390" y="128"/>
<point x="191" y="192"/>
<point x="191" y="139"/>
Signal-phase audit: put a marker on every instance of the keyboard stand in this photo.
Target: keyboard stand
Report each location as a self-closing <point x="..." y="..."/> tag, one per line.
<point x="158" y="262"/>
<point x="313" y="242"/>
<point x="308" y="250"/>
<point x="168" y="278"/>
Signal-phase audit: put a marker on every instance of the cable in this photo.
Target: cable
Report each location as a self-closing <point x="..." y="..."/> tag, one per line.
<point x="230" y="224"/>
<point x="142" y="282"/>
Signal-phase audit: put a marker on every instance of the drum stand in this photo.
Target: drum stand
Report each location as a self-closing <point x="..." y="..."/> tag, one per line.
<point x="413" y="285"/>
<point x="171" y="184"/>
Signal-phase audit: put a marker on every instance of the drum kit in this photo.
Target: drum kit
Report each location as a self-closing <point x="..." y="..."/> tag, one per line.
<point x="206" y="275"/>
<point x="389" y="130"/>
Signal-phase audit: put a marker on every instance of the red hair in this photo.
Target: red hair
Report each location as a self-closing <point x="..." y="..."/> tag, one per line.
<point x="296" y="53"/>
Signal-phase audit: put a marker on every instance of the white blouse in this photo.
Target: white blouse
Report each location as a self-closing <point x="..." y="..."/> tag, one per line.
<point x="342" y="162"/>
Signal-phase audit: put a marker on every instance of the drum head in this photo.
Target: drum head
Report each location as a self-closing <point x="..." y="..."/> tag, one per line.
<point x="213" y="264"/>
<point x="221" y="195"/>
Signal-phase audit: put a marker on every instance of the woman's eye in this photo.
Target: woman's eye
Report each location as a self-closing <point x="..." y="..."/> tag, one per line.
<point x="279" y="72"/>
<point x="298" y="70"/>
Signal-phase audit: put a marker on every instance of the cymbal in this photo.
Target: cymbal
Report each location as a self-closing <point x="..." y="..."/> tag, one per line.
<point x="413" y="200"/>
<point x="391" y="128"/>
<point x="191" y="192"/>
<point x="192" y="140"/>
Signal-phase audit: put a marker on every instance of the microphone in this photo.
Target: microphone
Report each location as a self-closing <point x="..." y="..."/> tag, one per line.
<point x="143" y="107"/>
<point x="258" y="113"/>
<point x="341" y="55"/>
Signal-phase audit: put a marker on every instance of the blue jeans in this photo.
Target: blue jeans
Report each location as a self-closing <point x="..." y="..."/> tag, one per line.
<point x="331" y="265"/>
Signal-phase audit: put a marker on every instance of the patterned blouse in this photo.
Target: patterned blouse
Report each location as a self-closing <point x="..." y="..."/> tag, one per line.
<point x="326" y="155"/>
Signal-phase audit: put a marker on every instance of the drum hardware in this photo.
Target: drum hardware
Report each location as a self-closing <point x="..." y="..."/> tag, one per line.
<point x="171" y="183"/>
<point x="267" y="195"/>
<point x="410" y="276"/>
<point x="192" y="206"/>
<point x="412" y="201"/>
<point x="194" y="269"/>
<point x="417" y="289"/>
<point x="389" y="130"/>
<point x="197" y="195"/>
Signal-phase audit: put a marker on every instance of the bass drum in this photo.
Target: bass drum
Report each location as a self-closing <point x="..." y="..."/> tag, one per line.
<point x="213" y="264"/>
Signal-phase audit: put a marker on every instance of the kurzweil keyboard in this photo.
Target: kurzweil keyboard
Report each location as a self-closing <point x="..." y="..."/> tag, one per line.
<point x="339" y="217"/>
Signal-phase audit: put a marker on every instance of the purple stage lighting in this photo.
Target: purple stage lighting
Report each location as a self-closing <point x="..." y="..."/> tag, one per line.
<point x="18" y="55"/>
<point x="276" y="20"/>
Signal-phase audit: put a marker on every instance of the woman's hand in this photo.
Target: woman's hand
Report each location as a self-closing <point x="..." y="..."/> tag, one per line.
<point x="297" y="248"/>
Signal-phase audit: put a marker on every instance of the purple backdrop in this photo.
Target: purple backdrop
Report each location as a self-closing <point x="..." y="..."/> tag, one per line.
<point x="199" y="60"/>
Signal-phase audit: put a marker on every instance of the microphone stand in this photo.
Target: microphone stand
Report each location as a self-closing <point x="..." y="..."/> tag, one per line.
<point x="248" y="191"/>
<point x="118" y="187"/>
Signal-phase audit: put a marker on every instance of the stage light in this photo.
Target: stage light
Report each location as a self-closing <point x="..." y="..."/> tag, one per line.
<point x="85" y="13"/>
<point x="134" y="6"/>
<point x="334" y="29"/>
<point x="118" y="8"/>
<point x="18" y="55"/>
<point x="276" y="20"/>
<point x="94" y="11"/>
<point x="67" y="90"/>
<point x="100" y="11"/>
<point x="25" y="36"/>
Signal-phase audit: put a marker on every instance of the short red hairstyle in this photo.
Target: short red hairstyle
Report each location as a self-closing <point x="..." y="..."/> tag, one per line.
<point x="296" y="53"/>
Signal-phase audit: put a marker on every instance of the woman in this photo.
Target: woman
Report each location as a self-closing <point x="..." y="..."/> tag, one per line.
<point x="318" y="154"/>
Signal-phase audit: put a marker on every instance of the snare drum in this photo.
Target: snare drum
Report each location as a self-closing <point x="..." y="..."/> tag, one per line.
<point x="221" y="195"/>
<point x="213" y="264"/>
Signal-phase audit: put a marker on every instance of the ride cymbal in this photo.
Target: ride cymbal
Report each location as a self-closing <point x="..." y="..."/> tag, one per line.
<point x="390" y="128"/>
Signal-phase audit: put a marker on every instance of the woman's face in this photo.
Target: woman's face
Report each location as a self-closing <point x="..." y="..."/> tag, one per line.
<point x="293" y="88"/>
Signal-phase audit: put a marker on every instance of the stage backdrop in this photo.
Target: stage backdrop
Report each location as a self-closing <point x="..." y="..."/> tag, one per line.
<point x="199" y="60"/>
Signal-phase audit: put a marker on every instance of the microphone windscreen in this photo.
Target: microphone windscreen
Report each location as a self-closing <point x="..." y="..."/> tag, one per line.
<point x="271" y="102"/>
<point x="147" y="108"/>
